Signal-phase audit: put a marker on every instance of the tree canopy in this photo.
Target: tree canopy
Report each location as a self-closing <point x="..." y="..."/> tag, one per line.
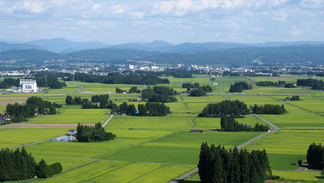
<point x="216" y="164"/>
<point x="224" y="108"/>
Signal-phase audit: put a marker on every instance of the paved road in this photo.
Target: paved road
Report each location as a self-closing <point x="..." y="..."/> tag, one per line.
<point x="240" y="146"/>
<point x="274" y="126"/>
<point x="228" y="98"/>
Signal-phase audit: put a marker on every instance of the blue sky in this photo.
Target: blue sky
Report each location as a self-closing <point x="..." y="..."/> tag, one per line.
<point x="175" y="21"/>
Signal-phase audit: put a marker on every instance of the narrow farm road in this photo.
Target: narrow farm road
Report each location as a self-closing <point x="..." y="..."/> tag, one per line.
<point x="111" y="116"/>
<point x="182" y="177"/>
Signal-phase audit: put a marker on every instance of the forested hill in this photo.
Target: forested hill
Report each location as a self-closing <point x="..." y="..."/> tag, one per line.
<point x="244" y="55"/>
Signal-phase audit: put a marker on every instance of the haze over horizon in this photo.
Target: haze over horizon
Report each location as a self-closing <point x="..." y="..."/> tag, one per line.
<point x="173" y="21"/>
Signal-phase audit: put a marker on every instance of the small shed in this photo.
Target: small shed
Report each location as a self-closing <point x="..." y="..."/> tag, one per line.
<point x="195" y="131"/>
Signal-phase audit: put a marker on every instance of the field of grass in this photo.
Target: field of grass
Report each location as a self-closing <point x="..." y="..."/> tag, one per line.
<point x="149" y="122"/>
<point x="287" y="146"/>
<point x="159" y="149"/>
<point x="180" y="148"/>
<point x="71" y="116"/>
<point x="302" y="176"/>
<point x="104" y="88"/>
<point x="121" y="172"/>
<point x="17" y="137"/>
<point x="214" y="123"/>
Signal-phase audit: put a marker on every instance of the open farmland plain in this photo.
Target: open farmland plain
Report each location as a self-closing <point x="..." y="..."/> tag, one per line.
<point x="159" y="149"/>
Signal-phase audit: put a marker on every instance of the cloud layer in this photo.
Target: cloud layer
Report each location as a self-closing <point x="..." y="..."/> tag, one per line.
<point x="175" y="21"/>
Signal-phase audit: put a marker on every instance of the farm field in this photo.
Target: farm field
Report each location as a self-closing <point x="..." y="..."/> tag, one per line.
<point x="180" y="148"/>
<point x="159" y="149"/>
<point x="287" y="145"/>
<point x="68" y="116"/>
<point x="16" y="137"/>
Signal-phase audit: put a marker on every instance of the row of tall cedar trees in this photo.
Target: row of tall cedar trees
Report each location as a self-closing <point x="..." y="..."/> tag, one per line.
<point x="102" y="100"/>
<point x="228" y="123"/>
<point x="225" y="108"/>
<point x="52" y="82"/>
<point x="149" y="109"/>
<point x="314" y="83"/>
<point x="34" y="105"/>
<point x="315" y="156"/>
<point x="133" y="89"/>
<point x="159" y="94"/>
<point x="19" y="165"/>
<point x="93" y="133"/>
<point x="278" y="84"/>
<point x="117" y="78"/>
<point x="239" y="87"/>
<point x="216" y="165"/>
<point x="268" y="109"/>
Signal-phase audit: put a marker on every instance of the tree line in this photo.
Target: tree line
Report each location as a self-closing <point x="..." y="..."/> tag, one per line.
<point x="216" y="164"/>
<point x="93" y="133"/>
<point x="239" y="87"/>
<point x="268" y="109"/>
<point x="228" y="123"/>
<point x="34" y="105"/>
<point x="189" y="86"/>
<point x="315" y="156"/>
<point x="9" y="82"/>
<point x="102" y="100"/>
<point x="159" y="94"/>
<point x="176" y="73"/>
<point x="225" y="108"/>
<point x="51" y="82"/>
<point x="201" y="91"/>
<point x="133" y="89"/>
<point x="19" y="165"/>
<point x="117" y="78"/>
<point x="147" y="109"/>
<point x="278" y="84"/>
<point x="314" y="83"/>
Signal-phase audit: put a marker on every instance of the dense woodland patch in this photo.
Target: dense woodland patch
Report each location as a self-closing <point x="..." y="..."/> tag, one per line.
<point x="216" y="164"/>
<point x="228" y="123"/>
<point x="93" y="134"/>
<point x="268" y="109"/>
<point x="19" y="165"/>
<point x="314" y="83"/>
<point x="117" y="78"/>
<point x="159" y="94"/>
<point x="34" y="105"/>
<point x="224" y="108"/>
<point x="239" y="87"/>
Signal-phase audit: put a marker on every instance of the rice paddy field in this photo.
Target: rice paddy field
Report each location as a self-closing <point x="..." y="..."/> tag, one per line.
<point x="159" y="149"/>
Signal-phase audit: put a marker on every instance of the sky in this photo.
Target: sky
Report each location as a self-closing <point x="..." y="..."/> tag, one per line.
<point x="174" y="21"/>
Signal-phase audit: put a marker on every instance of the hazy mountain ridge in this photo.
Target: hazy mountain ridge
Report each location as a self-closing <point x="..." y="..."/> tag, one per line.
<point x="62" y="45"/>
<point x="163" y="52"/>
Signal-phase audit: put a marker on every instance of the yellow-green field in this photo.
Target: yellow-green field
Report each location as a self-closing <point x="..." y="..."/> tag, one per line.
<point x="159" y="149"/>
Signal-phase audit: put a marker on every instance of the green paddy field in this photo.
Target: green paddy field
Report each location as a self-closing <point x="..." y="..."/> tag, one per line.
<point x="160" y="149"/>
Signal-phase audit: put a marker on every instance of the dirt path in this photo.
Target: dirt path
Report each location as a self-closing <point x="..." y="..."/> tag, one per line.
<point x="108" y="120"/>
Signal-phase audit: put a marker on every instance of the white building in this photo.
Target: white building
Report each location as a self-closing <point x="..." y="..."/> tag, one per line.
<point x="26" y="86"/>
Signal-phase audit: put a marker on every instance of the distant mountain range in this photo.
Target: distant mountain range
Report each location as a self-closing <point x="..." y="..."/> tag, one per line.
<point x="164" y="52"/>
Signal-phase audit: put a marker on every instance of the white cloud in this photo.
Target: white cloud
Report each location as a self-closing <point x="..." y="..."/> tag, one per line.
<point x="231" y="19"/>
<point x="30" y="6"/>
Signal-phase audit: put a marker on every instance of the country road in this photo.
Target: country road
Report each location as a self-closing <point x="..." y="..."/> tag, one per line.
<point x="182" y="177"/>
